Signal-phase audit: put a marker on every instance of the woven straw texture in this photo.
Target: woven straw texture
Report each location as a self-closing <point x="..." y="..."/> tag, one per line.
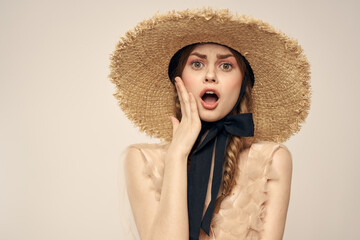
<point x="139" y="65"/>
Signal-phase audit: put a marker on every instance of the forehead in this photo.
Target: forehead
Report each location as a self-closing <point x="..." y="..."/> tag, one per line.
<point x="211" y="48"/>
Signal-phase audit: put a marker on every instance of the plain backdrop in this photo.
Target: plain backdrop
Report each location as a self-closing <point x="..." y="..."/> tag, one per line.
<point x="61" y="131"/>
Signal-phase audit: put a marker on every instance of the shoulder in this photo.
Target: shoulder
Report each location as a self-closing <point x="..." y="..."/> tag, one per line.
<point x="146" y="147"/>
<point x="267" y="159"/>
<point x="269" y="147"/>
<point x="282" y="162"/>
<point x="143" y="153"/>
<point x="277" y="154"/>
<point x="144" y="163"/>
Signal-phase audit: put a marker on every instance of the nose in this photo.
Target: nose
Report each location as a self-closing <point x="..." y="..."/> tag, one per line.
<point x="210" y="76"/>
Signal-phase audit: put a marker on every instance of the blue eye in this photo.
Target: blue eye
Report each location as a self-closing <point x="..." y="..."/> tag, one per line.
<point x="196" y="64"/>
<point x="226" y="66"/>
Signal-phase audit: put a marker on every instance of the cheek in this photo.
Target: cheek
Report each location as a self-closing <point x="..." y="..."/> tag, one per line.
<point x="233" y="87"/>
<point x="190" y="87"/>
<point x="190" y="82"/>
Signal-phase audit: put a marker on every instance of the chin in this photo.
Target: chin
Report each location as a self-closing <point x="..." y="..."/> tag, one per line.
<point x="210" y="117"/>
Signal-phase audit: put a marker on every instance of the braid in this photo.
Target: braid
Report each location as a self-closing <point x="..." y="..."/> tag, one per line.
<point x="230" y="163"/>
<point x="233" y="150"/>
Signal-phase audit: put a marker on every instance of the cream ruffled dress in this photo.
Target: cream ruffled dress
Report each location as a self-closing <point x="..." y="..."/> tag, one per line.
<point x="241" y="213"/>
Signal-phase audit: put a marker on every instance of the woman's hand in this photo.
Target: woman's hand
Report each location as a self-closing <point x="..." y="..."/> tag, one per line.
<point x="187" y="130"/>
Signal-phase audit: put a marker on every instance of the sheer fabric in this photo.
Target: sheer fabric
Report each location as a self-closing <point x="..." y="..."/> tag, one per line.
<point x="241" y="213"/>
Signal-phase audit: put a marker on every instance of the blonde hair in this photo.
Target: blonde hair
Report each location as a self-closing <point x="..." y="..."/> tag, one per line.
<point x="235" y="144"/>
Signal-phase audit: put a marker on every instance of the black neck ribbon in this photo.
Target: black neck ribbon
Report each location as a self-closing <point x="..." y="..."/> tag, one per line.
<point x="241" y="125"/>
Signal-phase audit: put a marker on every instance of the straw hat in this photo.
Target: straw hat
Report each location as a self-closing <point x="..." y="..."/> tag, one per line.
<point x="139" y="69"/>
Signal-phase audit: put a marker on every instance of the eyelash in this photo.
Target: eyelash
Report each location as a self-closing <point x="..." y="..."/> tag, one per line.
<point x="194" y="62"/>
<point x="229" y="64"/>
<point x="221" y="65"/>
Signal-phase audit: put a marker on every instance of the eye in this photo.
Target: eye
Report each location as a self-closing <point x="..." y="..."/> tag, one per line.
<point x="197" y="64"/>
<point x="226" y="66"/>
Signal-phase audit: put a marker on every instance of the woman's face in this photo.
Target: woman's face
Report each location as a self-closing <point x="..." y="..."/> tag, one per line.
<point x="212" y="75"/>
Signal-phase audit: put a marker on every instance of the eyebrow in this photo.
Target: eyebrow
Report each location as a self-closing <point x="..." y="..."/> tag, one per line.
<point x="198" y="55"/>
<point x="219" y="56"/>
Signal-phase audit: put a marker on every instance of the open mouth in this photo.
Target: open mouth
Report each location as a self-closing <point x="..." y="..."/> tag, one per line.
<point x="209" y="98"/>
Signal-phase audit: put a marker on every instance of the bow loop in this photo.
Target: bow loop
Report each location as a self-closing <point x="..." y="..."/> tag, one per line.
<point x="241" y="125"/>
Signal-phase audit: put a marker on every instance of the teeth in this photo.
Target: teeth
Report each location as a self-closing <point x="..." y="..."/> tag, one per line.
<point x="210" y="92"/>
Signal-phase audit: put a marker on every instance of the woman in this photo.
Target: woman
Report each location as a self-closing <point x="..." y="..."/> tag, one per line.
<point x="214" y="177"/>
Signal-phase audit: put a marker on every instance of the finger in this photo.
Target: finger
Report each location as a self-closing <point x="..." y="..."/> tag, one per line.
<point x="175" y="123"/>
<point x="185" y="98"/>
<point x="193" y="108"/>
<point x="178" y="90"/>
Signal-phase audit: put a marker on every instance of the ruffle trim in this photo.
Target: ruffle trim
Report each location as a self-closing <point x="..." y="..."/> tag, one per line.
<point x="241" y="214"/>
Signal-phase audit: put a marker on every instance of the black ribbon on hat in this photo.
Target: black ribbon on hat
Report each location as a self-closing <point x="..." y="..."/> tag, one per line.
<point x="241" y="125"/>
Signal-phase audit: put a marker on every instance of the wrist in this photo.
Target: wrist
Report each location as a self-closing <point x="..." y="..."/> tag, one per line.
<point x="175" y="152"/>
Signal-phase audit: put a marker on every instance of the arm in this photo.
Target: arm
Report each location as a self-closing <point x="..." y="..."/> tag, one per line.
<point x="157" y="220"/>
<point x="279" y="196"/>
<point x="168" y="218"/>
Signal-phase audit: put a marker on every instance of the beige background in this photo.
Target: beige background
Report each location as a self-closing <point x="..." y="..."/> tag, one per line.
<point x="61" y="133"/>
